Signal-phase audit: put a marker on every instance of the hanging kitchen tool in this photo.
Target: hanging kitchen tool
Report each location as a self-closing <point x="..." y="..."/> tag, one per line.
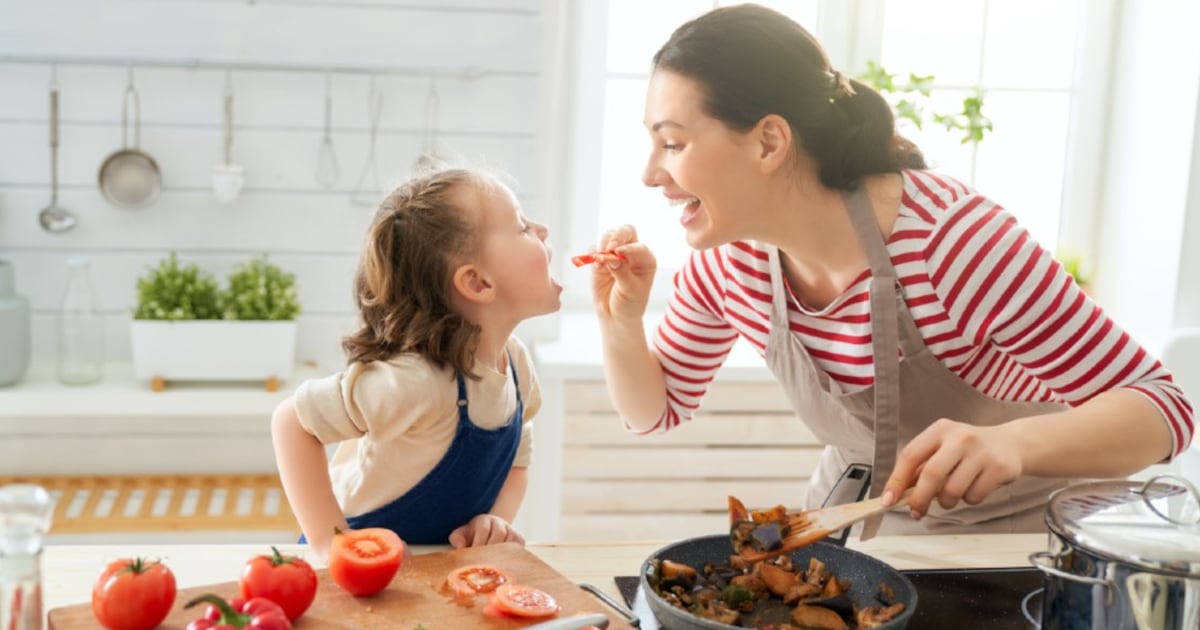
<point x="428" y="160"/>
<point x="227" y="177"/>
<point x="328" y="170"/>
<point x="129" y="178"/>
<point x="370" y="198"/>
<point x="54" y="218"/>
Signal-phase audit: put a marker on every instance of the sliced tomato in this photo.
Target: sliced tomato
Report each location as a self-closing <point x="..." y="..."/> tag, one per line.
<point x="479" y="578"/>
<point x="524" y="601"/>
<point x="464" y="583"/>
<point x="364" y="561"/>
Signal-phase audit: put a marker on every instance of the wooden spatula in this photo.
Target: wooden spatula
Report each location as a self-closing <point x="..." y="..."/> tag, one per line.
<point x="756" y="541"/>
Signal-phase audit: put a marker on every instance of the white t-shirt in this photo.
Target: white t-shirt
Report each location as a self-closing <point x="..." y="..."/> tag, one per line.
<point x="395" y="420"/>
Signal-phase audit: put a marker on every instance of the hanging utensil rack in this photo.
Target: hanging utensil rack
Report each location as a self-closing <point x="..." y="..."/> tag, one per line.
<point x="466" y="72"/>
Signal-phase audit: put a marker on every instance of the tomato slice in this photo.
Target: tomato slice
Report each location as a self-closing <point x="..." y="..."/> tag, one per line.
<point x="524" y="601"/>
<point x="479" y="578"/>
<point x="364" y="561"/>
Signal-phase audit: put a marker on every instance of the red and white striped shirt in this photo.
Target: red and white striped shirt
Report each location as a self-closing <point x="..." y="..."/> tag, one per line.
<point x="991" y="304"/>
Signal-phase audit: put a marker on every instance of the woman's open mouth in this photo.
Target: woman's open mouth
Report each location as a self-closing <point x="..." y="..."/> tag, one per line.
<point x="691" y="209"/>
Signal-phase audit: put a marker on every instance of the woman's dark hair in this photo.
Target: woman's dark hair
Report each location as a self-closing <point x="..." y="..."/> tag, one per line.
<point x="751" y="61"/>
<point x="402" y="289"/>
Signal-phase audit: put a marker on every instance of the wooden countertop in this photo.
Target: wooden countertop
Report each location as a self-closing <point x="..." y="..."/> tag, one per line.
<point x="69" y="570"/>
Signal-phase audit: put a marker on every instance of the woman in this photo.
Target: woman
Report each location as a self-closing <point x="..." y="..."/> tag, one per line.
<point x="913" y="324"/>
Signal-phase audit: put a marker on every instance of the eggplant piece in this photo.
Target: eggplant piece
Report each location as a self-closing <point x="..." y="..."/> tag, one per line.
<point x="818" y="618"/>
<point x="767" y="537"/>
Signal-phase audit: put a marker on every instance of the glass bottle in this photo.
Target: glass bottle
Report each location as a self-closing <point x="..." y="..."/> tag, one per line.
<point x="80" y="328"/>
<point x="25" y="514"/>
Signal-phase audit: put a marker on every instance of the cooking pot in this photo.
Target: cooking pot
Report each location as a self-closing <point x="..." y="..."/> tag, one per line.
<point x="865" y="574"/>
<point x="1122" y="554"/>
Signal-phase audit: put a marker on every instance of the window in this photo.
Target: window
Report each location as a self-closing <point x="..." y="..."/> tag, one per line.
<point x="1032" y="95"/>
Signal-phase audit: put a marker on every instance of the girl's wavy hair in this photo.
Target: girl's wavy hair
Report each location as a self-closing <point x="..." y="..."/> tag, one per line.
<point x="751" y="61"/>
<point x="402" y="289"/>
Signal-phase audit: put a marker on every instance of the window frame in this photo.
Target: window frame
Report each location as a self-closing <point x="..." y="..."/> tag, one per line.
<point x="852" y="33"/>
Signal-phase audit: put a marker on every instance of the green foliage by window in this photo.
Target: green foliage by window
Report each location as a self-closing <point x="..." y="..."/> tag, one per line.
<point x="172" y="291"/>
<point x="260" y="290"/>
<point x="1075" y="264"/>
<point x="910" y="101"/>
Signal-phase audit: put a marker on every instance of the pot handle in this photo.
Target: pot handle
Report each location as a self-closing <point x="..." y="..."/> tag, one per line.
<point x="1043" y="561"/>
<point x="1146" y="498"/>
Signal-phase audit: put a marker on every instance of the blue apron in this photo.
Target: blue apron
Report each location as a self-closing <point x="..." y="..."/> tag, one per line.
<point x="464" y="484"/>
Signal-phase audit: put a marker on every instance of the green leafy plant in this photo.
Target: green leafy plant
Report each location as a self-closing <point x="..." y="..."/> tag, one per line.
<point x="910" y="101"/>
<point x="259" y="290"/>
<point x="1077" y="266"/>
<point x="172" y="291"/>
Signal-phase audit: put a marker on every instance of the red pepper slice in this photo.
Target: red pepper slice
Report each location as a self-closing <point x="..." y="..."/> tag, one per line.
<point x="597" y="257"/>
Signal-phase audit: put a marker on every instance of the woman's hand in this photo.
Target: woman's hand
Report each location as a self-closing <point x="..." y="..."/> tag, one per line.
<point x="951" y="462"/>
<point x="485" y="529"/>
<point x="621" y="289"/>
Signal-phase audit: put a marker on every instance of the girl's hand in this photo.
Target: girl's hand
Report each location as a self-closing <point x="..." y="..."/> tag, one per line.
<point x="621" y="289"/>
<point x="951" y="462"/>
<point x="485" y="529"/>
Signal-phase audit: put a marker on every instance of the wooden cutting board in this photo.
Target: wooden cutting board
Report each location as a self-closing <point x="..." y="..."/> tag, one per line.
<point x="412" y="598"/>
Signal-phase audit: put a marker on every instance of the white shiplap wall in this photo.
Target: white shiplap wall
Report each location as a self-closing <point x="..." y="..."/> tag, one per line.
<point x="486" y="54"/>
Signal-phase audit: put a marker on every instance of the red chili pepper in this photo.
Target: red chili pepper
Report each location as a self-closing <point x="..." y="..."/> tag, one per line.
<point x="256" y="612"/>
<point x="597" y="257"/>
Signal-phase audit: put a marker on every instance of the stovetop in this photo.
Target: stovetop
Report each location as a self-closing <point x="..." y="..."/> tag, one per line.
<point x="947" y="599"/>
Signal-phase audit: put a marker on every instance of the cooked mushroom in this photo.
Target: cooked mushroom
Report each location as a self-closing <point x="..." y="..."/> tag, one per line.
<point x="875" y="616"/>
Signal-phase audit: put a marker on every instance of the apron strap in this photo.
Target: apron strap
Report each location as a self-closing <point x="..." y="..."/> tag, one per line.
<point x="885" y="344"/>
<point x="463" y="416"/>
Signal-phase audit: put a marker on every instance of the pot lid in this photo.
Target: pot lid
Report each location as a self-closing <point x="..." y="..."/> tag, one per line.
<point x="1154" y="525"/>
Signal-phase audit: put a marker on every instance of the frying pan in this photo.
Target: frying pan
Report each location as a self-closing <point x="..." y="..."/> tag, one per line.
<point x="129" y="178"/>
<point x="865" y="574"/>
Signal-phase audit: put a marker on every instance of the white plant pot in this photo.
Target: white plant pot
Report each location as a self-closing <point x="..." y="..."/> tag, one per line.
<point x="213" y="350"/>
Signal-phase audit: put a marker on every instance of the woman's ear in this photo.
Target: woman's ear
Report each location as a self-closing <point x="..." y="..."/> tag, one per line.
<point x="473" y="285"/>
<point x="774" y="136"/>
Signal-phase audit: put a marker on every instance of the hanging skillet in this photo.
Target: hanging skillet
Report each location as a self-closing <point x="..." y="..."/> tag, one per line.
<point x="129" y="178"/>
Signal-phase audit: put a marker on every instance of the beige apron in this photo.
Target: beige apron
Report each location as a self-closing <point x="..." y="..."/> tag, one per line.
<point x="871" y="425"/>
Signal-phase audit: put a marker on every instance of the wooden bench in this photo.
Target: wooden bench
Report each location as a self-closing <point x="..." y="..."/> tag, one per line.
<point x="158" y="503"/>
<point x="617" y="485"/>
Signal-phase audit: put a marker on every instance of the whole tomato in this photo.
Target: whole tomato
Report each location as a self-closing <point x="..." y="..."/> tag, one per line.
<point x="133" y="594"/>
<point x="364" y="561"/>
<point x="286" y="580"/>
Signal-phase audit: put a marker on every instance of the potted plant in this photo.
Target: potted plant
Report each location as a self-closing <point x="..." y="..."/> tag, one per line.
<point x="186" y="328"/>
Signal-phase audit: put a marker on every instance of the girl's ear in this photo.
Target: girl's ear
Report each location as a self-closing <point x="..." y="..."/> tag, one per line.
<point x="471" y="283"/>
<point x="774" y="139"/>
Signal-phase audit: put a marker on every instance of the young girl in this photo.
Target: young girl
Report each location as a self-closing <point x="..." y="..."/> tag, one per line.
<point x="433" y="411"/>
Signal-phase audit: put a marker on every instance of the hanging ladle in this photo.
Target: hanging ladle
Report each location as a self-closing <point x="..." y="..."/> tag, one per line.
<point x="54" y="218"/>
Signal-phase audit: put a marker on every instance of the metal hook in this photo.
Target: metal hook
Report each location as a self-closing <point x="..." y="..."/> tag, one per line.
<point x="1146" y="498"/>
